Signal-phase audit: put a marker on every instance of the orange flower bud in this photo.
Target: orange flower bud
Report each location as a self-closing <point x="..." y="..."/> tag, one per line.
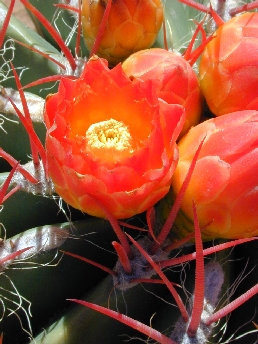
<point x="224" y="184"/>
<point x="112" y="140"/>
<point x="132" y="25"/>
<point x="173" y="77"/>
<point x="229" y="66"/>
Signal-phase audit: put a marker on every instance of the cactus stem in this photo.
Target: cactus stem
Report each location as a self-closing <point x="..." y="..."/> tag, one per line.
<point x="164" y="278"/>
<point x="79" y="12"/>
<point x="67" y="7"/>
<point x="16" y="188"/>
<point x="122" y="223"/>
<point x="102" y="28"/>
<point x="115" y="225"/>
<point x="216" y="17"/>
<point x="165" y="34"/>
<point x="188" y="51"/>
<point x="13" y="162"/>
<point x="26" y="111"/>
<point x="177" y="244"/>
<point x="13" y="255"/>
<point x="123" y="257"/>
<point x="207" y="251"/>
<point x="232" y="305"/>
<point x="37" y="147"/>
<point x="150" y="217"/>
<point x="255" y="325"/>
<point x="78" y="38"/>
<point x="192" y="56"/>
<point x="53" y="32"/>
<point x="100" y="266"/>
<point x="43" y="186"/>
<point x="247" y="7"/>
<point x="177" y="204"/>
<point x="195" y="5"/>
<point x="155" y="281"/>
<point x="6" y="22"/>
<point x="33" y="137"/>
<point x="209" y="10"/>
<point x="46" y="79"/>
<point x="41" y="53"/>
<point x="148" y="331"/>
<point x="181" y="242"/>
<point x="199" y="290"/>
<point x="3" y="190"/>
<point x="198" y="51"/>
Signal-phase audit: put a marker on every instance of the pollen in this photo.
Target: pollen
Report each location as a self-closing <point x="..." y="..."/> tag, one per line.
<point x="110" y="134"/>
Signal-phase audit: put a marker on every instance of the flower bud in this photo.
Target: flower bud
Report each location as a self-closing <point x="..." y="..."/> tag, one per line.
<point x="132" y="25"/>
<point x="229" y="66"/>
<point x="224" y="184"/>
<point x="173" y="77"/>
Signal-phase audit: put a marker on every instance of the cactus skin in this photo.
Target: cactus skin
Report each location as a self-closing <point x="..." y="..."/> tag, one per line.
<point x="65" y="21"/>
<point x="72" y="278"/>
<point x="46" y="264"/>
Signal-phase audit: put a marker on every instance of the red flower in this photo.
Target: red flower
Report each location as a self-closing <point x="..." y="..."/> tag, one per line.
<point x="173" y="77"/>
<point x="224" y="184"/>
<point x="110" y="138"/>
<point x="229" y="66"/>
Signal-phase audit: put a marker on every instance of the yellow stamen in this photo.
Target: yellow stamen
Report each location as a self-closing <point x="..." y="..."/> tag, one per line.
<point x="110" y="134"/>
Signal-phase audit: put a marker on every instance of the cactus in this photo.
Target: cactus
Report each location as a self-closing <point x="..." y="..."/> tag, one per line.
<point x="61" y="267"/>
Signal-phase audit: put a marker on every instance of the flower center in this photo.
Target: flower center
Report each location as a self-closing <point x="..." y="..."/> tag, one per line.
<point x="109" y="134"/>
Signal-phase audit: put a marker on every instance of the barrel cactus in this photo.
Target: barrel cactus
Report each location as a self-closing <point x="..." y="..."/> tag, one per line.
<point x="94" y="247"/>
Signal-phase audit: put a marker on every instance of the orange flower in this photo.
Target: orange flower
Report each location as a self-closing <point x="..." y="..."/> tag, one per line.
<point x="132" y="25"/>
<point x="110" y="138"/>
<point x="224" y="184"/>
<point x="173" y="77"/>
<point x="229" y="66"/>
